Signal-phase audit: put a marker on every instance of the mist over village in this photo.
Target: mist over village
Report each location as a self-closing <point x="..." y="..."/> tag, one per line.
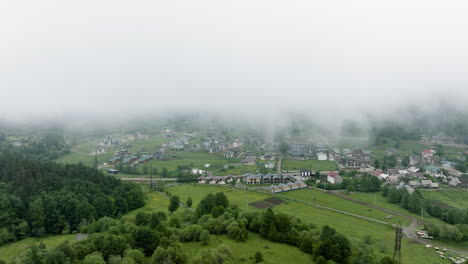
<point x="203" y="132"/>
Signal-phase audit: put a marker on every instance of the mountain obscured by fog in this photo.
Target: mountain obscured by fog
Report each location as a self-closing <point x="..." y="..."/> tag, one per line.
<point x="275" y="66"/>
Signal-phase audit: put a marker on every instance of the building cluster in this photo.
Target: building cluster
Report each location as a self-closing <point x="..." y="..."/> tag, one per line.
<point x="218" y="179"/>
<point x="266" y="178"/>
<point x="289" y="186"/>
<point x="355" y="159"/>
<point x="441" y="140"/>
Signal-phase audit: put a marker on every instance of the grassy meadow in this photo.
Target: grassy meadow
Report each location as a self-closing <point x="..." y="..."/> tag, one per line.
<point x="457" y="199"/>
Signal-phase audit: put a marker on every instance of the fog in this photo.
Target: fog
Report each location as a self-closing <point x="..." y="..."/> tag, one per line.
<point x="246" y="60"/>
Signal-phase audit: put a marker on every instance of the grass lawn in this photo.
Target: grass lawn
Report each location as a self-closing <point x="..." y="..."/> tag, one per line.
<point x="11" y="250"/>
<point x="329" y="200"/>
<point x="381" y="201"/>
<point x="243" y="252"/>
<point x="186" y="158"/>
<point x="321" y="165"/>
<point x="457" y="199"/>
<point x="197" y="192"/>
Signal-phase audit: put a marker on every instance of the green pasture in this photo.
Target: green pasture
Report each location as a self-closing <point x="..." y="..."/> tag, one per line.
<point x="321" y="165"/>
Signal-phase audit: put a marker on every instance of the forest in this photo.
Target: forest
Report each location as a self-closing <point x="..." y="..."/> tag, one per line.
<point x="39" y="197"/>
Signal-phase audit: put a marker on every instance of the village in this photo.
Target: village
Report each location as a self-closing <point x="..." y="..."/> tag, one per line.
<point x="289" y="165"/>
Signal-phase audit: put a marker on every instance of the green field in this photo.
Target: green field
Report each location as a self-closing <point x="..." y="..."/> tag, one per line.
<point x="242" y="252"/>
<point x="10" y="250"/>
<point x="381" y="201"/>
<point x="352" y="227"/>
<point x="192" y="159"/>
<point x="321" y="165"/>
<point x="457" y="199"/>
<point x="329" y="200"/>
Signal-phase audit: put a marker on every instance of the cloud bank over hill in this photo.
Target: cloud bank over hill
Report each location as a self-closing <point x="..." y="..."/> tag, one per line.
<point x="328" y="60"/>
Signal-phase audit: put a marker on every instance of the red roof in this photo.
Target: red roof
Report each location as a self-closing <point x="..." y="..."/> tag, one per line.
<point x="332" y="174"/>
<point x="427" y="151"/>
<point x="377" y="173"/>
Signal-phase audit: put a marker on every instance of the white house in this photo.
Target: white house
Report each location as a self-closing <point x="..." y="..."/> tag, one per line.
<point x="322" y="156"/>
<point x="334" y="178"/>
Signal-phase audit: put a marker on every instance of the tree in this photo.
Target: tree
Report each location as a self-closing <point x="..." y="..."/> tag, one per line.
<point x="136" y="255"/>
<point x="387" y="260"/>
<point x="164" y="173"/>
<point x="205" y="237"/>
<point x="145" y="238"/>
<point x="94" y="258"/>
<point x="405" y="161"/>
<point x="258" y="257"/>
<point x="174" y="203"/>
<point x="376" y="164"/>
<point x="189" y="202"/>
<point x="284" y="148"/>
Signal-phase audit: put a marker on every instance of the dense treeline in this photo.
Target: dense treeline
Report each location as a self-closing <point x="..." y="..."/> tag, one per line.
<point x="366" y="183"/>
<point x="159" y="236"/>
<point x="42" y="197"/>
<point x="415" y="203"/>
<point x="49" y="145"/>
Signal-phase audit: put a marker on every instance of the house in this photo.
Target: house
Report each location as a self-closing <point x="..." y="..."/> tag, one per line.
<point x="129" y="159"/>
<point x="391" y="151"/>
<point x="112" y="171"/>
<point x="454" y="181"/>
<point x="428" y="156"/>
<point x="291" y="185"/>
<point x="275" y="189"/>
<point x="252" y="179"/>
<point x="426" y="183"/>
<point x="114" y="160"/>
<point x="384" y="176"/>
<point x="301" y="185"/>
<point x="434" y="185"/>
<point x="197" y="171"/>
<point x="353" y="163"/>
<point x="392" y="180"/>
<point x="202" y="180"/>
<point x="322" y="156"/>
<point x="433" y="171"/>
<point x="334" y="178"/>
<point x="377" y="173"/>
<point x="305" y="173"/>
<point x="267" y="157"/>
<point x="284" y="187"/>
<point x="415" y="160"/>
<point x="413" y="169"/>
<point x="145" y="158"/>
<point x="414" y="184"/>
<point x="229" y="154"/>
<point x="250" y="160"/>
<point x="269" y="165"/>
<point x="335" y="154"/>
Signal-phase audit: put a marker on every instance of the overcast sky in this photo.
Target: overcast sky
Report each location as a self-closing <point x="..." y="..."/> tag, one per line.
<point x="329" y="57"/>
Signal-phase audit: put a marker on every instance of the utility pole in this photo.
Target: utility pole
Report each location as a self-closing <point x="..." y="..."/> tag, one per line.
<point x="397" y="250"/>
<point x="151" y="177"/>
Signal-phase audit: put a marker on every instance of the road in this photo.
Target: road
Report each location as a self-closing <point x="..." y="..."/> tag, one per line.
<point x="280" y="164"/>
<point x="148" y="179"/>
